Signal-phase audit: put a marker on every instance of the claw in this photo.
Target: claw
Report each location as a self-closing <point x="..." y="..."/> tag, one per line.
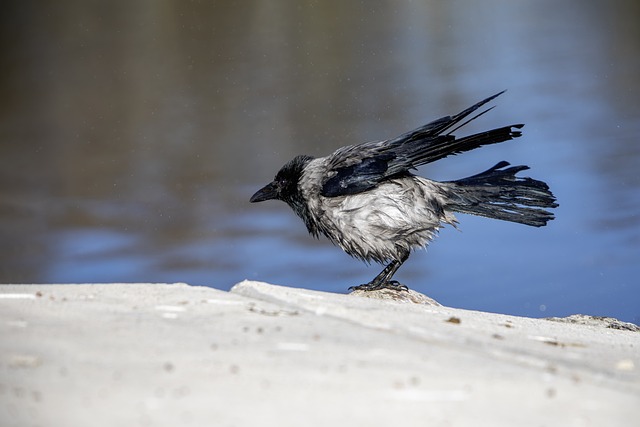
<point x="394" y="285"/>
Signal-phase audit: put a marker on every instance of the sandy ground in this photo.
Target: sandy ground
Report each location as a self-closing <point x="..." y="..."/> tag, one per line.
<point x="176" y="355"/>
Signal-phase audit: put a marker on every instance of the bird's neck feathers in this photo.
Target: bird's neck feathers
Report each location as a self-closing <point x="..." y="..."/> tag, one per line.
<point x="290" y="177"/>
<point x="301" y="208"/>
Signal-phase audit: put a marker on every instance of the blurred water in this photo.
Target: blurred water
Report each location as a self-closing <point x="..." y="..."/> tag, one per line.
<point x="133" y="133"/>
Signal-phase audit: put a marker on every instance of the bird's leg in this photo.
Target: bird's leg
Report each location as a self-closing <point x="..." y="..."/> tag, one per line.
<point x="383" y="280"/>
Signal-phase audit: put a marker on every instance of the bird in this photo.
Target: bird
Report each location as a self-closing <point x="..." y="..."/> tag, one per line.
<point x="365" y="198"/>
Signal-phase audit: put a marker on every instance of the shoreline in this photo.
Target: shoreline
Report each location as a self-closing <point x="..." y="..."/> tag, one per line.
<point x="175" y="354"/>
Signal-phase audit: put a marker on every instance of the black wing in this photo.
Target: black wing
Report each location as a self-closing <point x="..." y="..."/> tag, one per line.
<point x="357" y="168"/>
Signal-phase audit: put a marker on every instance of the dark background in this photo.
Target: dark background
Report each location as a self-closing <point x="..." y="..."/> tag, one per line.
<point x="132" y="134"/>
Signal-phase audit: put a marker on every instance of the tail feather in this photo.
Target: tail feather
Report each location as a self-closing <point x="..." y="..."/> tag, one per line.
<point x="498" y="193"/>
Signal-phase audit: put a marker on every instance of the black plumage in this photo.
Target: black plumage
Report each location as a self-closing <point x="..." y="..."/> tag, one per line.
<point x="365" y="199"/>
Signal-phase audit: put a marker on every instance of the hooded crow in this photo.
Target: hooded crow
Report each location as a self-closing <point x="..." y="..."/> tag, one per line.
<point x="364" y="198"/>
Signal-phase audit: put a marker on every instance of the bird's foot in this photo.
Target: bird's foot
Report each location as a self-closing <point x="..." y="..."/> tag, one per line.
<point x="394" y="285"/>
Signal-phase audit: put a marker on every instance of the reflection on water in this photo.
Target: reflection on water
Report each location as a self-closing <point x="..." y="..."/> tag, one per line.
<point x="133" y="134"/>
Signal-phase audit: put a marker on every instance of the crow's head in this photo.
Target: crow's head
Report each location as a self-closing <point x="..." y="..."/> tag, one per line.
<point x="285" y="185"/>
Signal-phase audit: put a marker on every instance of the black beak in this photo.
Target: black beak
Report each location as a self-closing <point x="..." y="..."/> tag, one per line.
<point x="268" y="192"/>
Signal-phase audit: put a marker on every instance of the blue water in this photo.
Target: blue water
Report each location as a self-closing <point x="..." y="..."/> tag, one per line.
<point x="132" y="138"/>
